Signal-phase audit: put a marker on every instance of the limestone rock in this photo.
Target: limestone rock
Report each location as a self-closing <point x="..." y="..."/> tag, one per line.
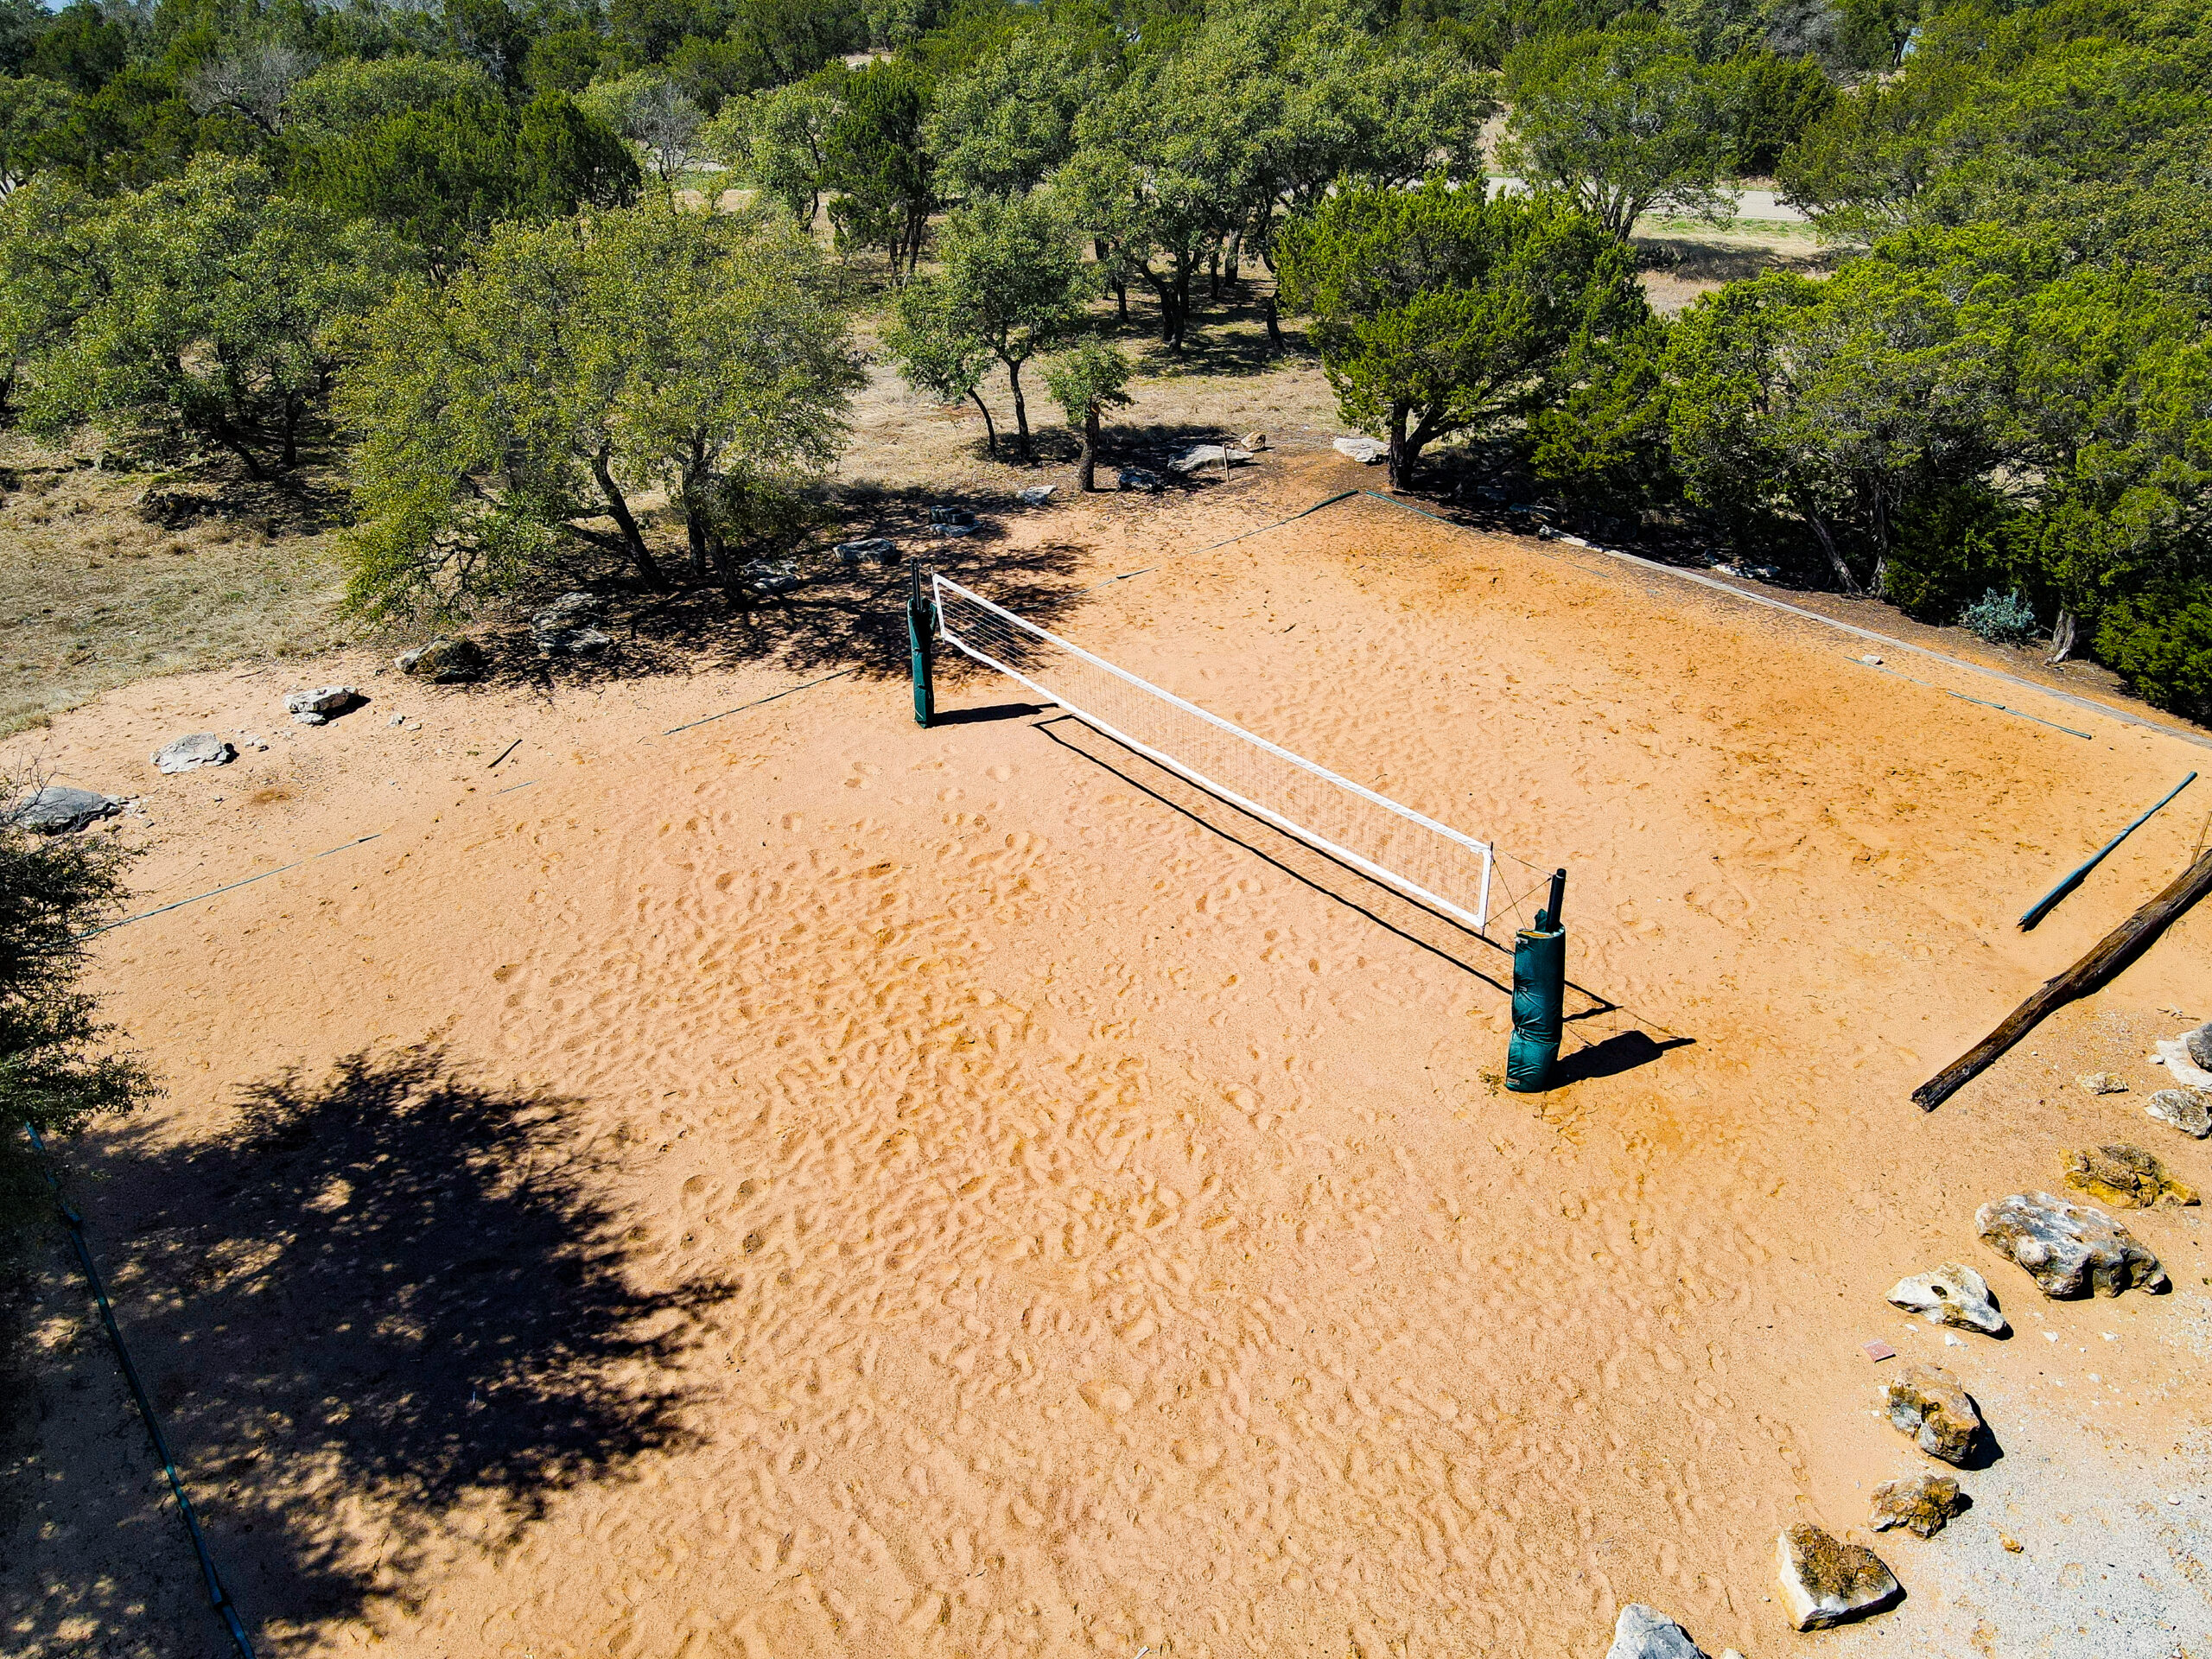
<point x="1365" y="451"/>
<point x="570" y="642"/>
<point x="2198" y="1044"/>
<point x="1036" y="495"/>
<point x="1952" y="1294"/>
<point x="778" y="575"/>
<point x="881" y="549"/>
<point x="563" y="628"/>
<point x="1825" y="1581"/>
<point x="1208" y="455"/>
<point x="1642" y="1632"/>
<point x="444" y="662"/>
<point x="1921" y="1504"/>
<point x="1254" y="442"/>
<point x="2188" y="1111"/>
<point x="2105" y="1083"/>
<point x="1932" y="1406"/>
<point x="192" y="752"/>
<point x="1136" y="478"/>
<point x="321" y="704"/>
<point x="2172" y="1053"/>
<point x="2070" y="1249"/>
<point x="2126" y="1176"/>
<point x="59" y="808"/>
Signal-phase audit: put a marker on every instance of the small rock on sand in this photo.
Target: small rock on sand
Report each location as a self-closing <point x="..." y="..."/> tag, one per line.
<point x="1254" y="442"/>
<point x="2070" y="1249"/>
<point x="190" y="753"/>
<point x="1366" y="451"/>
<point x="1644" y="1632"/>
<point x="881" y="549"/>
<point x="1921" y="1504"/>
<point x="1952" y="1294"/>
<point x="2105" y="1083"/>
<point x="316" y="707"/>
<point x="60" y="808"/>
<point x="1136" y="478"/>
<point x="2173" y="1054"/>
<point x="2197" y="1044"/>
<point x="1036" y="495"/>
<point x="1825" y="1581"/>
<point x="2124" y="1176"/>
<point x="444" y="662"/>
<point x="2188" y="1111"/>
<point x="1932" y="1406"/>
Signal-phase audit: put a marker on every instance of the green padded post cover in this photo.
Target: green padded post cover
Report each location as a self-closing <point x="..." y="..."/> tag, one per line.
<point x="919" y="642"/>
<point x="1539" y="999"/>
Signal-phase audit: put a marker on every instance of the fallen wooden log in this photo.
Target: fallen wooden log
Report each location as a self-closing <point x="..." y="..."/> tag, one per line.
<point x="2113" y="953"/>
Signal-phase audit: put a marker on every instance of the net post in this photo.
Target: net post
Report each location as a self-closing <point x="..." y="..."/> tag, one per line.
<point x="918" y="643"/>
<point x="1539" y="996"/>
<point x="1482" y="903"/>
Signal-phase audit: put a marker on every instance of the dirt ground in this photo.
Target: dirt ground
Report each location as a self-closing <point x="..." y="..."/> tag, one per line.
<point x="804" y="1184"/>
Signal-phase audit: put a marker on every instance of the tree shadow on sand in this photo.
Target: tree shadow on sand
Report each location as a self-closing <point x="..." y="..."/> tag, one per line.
<point x="393" y="1295"/>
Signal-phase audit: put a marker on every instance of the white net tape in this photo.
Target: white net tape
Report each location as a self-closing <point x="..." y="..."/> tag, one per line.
<point x="1421" y="858"/>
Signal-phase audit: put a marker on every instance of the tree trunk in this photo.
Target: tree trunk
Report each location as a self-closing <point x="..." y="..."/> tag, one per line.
<point x="1086" y="469"/>
<point x="1021" y="408"/>
<point x="1213" y="271"/>
<point x="695" y="513"/>
<point x="1828" y="546"/>
<point x="227" y="437"/>
<point x="619" y="508"/>
<point x="1275" y="323"/>
<point x="990" y="432"/>
<point x="1121" y="300"/>
<point x="2062" y="638"/>
<point x="291" y="429"/>
<point x="1405" y="454"/>
<point x="1233" y="277"/>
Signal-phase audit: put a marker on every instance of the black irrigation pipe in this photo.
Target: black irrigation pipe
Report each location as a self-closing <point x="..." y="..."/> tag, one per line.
<point x="218" y="1597"/>
<point x="2049" y="902"/>
<point x="162" y="910"/>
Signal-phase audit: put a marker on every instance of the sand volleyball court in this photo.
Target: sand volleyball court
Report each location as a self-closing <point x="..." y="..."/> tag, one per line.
<point x="811" y="1185"/>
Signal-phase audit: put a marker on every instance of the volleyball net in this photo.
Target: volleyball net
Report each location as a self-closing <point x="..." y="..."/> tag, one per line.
<point x="1430" y="862"/>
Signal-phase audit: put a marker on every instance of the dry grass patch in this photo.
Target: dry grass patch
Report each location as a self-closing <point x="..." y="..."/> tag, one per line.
<point x="94" y="596"/>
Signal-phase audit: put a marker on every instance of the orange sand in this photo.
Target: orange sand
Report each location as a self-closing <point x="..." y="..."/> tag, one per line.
<point x="876" y="1191"/>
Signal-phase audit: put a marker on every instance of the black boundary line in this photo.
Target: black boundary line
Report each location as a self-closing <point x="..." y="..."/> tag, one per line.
<point x="218" y="1597"/>
<point x="2089" y="704"/>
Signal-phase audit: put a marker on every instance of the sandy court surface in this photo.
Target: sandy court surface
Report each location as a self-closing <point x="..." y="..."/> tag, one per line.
<point x="807" y="1184"/>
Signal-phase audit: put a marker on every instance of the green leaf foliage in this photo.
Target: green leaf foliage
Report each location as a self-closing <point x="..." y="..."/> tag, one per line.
<point x="56" y="1071"/>
<point x="1439" y="312"/>
<point x="565" y="367"/>
<point x="439" y="176"/>
<point x="205" y="309"/>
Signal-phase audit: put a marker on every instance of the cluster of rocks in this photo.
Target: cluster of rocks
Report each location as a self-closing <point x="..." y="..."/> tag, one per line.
<point x="881" y="549"/>
<point x="2070" y="1250"/>
<point x="2187" y="1106"/>
<point x="953" y="521"/>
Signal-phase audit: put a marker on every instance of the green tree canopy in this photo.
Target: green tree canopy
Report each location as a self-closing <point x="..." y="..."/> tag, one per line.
<point x="1439" y="312"/>
<point x="56" y="1072"/>
<point x="1015" y="280"/>
<point x="1087" y="383"/>
<point x="440" y="176"/>
<point x="877" y="157"/>
<point x="342" y="97"/>
<point x="1625" y="123"/>
<point x="564" y="368"/>
<point x="1002" y="128"/>
<point x="940" y="349"/>
<point x="206" y="310"/>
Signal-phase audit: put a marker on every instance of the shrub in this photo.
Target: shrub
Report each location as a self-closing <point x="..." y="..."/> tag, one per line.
<point x="2163" y="643"/>
<point x="2001" y="619"/>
